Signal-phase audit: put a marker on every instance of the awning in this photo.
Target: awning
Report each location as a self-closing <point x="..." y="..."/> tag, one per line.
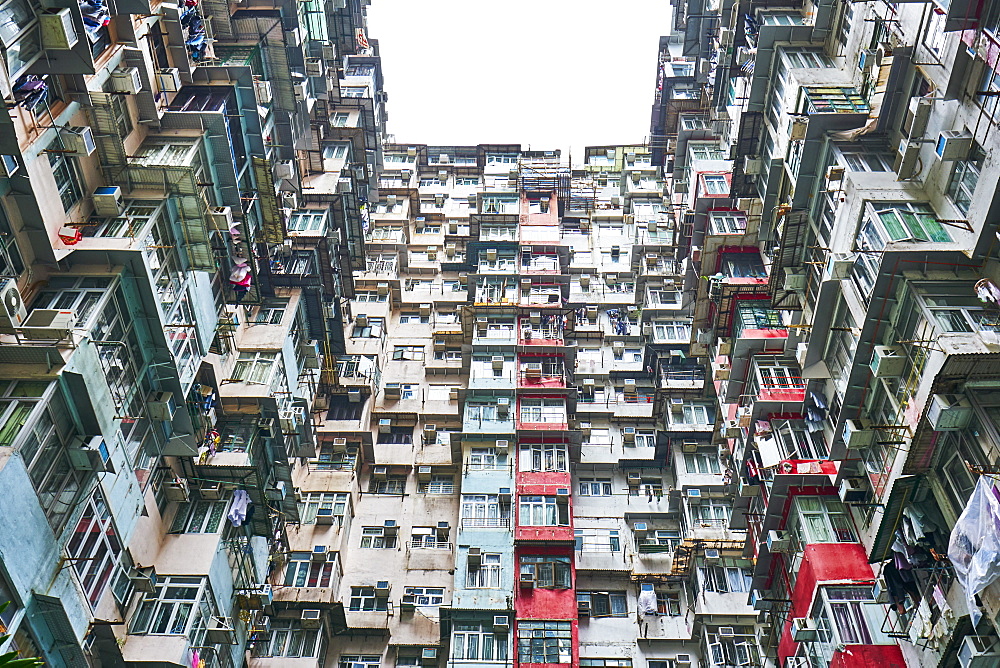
<point x="900" y="496"/>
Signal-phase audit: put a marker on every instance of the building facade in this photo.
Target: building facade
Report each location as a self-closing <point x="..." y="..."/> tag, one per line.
<point x="282" y="391"/>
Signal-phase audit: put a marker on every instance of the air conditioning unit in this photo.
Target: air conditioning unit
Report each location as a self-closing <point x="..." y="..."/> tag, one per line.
<point x="354" y="396"/>
<point x="161" y="406"/>
<point x="907" y="156"/>
<point x="501" y="623"/>
<point x="221" y="631"/>
<point x="919" y="114"/>
<point x="758" y="601"/>
<point x="284" y="169"/>
<point x="640" y="529"/>
<point x="856" y="435"/>
<point x="48" y="324"/>
<point x="222" y="218"/>
<point x="502" y="445"/>
<point x="794" y="281"/>
<point x="583" y="608"/>
<point x="682" y="661"/>
<point x="429" y="655"/>
<point x="503" y="405"/>
<point x="424" y="473"/>
<point x="777" y="542"/>
<point x="57" y="29"/>
<point x="262" y="90"/>
<point x="393" y="390"/>
<point x="888" y="361"/>
<point x="953" y="145"/>
<point x="880" y="591"/>
<point x="693" y="493"/>
<point x="803" y="630"/>
<point x="380" y="472"/>
<point x="979" y="652"/>
<point x="177" y="490"/>
<point x="838" y="266"/>
<point x="584" y="280"/>
<point x="126" y="80"/>
<point x="752" y="165"/>
<point x="361" y="320"/>
<point x="320" y="553"/>
<point x="108" y="201"/>
<point x="797" y="128"/>
<point x="949" y="412"/>
<point x="312" y="619"/>
<point x="628" y="434"/>
<point x="13" y="312"/>
<point x="325" y="516"/>
<point x="689" y="446"/>
<point x="504" y="495"/>
<point x="526" y="580"/>
<point x="315" y="67"/>
<point x="300" y="89"/>
<point x="391" y="527"/>
<point x="726" y="632"/>
<point x="143" y="579"/>
<point x="634" y="479"/>
<point x="562" y="495"/>
<point x="475" y="556"/>
<point x="260" y="596"/>
<point x="853" y="490"/>
<point x="712" y="556"/>
<point x="90" y="454"/>
<point x="168" y="80"/>
<point x="628" y="386"/>
<point x="533" y="370"/>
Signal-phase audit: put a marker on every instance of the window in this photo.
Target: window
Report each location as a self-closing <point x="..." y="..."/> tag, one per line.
<point x="289" y="639"/>
<point x="119" y="110"/>
<point x="374" y="537"/>
<point x="354" y="91"/>
<point x="413" y="319"/>
<point x="476" y="642"/>
<point x="544" y="457"/>
<point x="702" y="462"/>
<point x="330" y="458"/>
<point x="597" y="540"/>
<point x="672" y="330"/>
<point x="397" y="435"/>
<point x="67" y="176"/>
<point x="310" y="221"/>
<point x="172" y="606"/>
<point x="823" y="520"/>
<point x="849" y="616"/>
<point x="543" y="410"/>
<point x="408" y="353"/>
<point x="668" y="603"/>
<point x="603" y="603"/>
<point x="725" y="579"/>
<point x="339" y="119"/>
<point x="542" y="511"/>
<point x="255" y="368"/>
<point x="438" y="484"/>
<point x="391" y="485"/>
<point x="964" y="178"/>
<point x="482" y="459"/>
<point x="302" y="571"/>
<point x="486" y="575"/>
<point x="544" y="642"/>
<point x="595" y="487"/>
<point x="11" y="262"/>
<point x="737" y="648"/>
<point x="372" y="329"/>
<point x="271" y="312"/>
<point x="709" y="512"/>
<point x="716" y="184"/>
<point x="706" y="151"/>
<point x="550" y="572"/>
<point x="605" y="663"/>
<point x="953" y="307"/>
<point x="484" y="510"/>
<point x="94" y="548"/>
<point x="467" y="181"/>
<point x="353" y="661"/>
<point x="199" y="517"/>
<point x="314" y="501"/>
<point x="811" y="58"/>
<point x="364" y="599"/>
<point x="426" y="595"/>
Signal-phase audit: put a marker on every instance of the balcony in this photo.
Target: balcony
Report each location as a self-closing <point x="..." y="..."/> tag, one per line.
<point x="834" y="100"/>
<point x="542" y="329"/>
<point x="538" y="374"/>
<point x="774" y="381"/>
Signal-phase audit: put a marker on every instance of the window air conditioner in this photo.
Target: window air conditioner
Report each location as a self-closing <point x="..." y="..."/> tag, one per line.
<point x="311" y="619"/>
<point x="501" y="623"/>
<point x="90" y="454"/>
<point x="526" y="580"/>
<point x="221" y="631"/>
<point x="320" y="553"/>
<point x="887" y="361"/>
<point x="803" y="630"/>
<point x="57" y="29"/>
<point x="712" y="556"/>
<point x="949" y="412"/>
<point x="169" y="80"/>
<point x="856" y="435"/>
<point x="108" y="201"/>
<point x="953" y="145"/>
<point x="126" y="80"/>
<point x="979" y="652"/>
<point x="777" y="542"/>
<point x="143" y="579"/>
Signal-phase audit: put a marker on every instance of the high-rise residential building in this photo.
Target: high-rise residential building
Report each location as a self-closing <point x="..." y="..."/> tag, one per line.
<point x="280" y="390"/>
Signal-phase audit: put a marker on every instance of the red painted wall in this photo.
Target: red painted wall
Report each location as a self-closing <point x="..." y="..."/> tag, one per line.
<point x="547" y="604"/>
<point x="822" y="562"/>
<point x="869" y="656"/>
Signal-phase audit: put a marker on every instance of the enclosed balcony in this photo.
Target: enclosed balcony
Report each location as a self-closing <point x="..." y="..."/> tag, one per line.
<point x="541" y="371"/>
<point x="542" y="329"/>
<point x="775" y="380"/>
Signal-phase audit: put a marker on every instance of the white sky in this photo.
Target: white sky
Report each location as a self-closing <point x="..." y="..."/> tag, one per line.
<point x="549" y="74"/>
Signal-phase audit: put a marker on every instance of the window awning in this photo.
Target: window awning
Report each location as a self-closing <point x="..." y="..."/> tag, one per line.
<point x="900" y="496"/>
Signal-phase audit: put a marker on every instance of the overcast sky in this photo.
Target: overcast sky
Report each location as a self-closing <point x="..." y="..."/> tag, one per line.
<point x="543" y="73"/>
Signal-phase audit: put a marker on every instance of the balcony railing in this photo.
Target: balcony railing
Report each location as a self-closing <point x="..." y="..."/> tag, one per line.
<point x="485" y="522"/>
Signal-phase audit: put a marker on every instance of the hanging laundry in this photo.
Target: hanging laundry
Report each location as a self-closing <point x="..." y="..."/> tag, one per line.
<point x="646" y="603"/>
<point x="238" y="510"/>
